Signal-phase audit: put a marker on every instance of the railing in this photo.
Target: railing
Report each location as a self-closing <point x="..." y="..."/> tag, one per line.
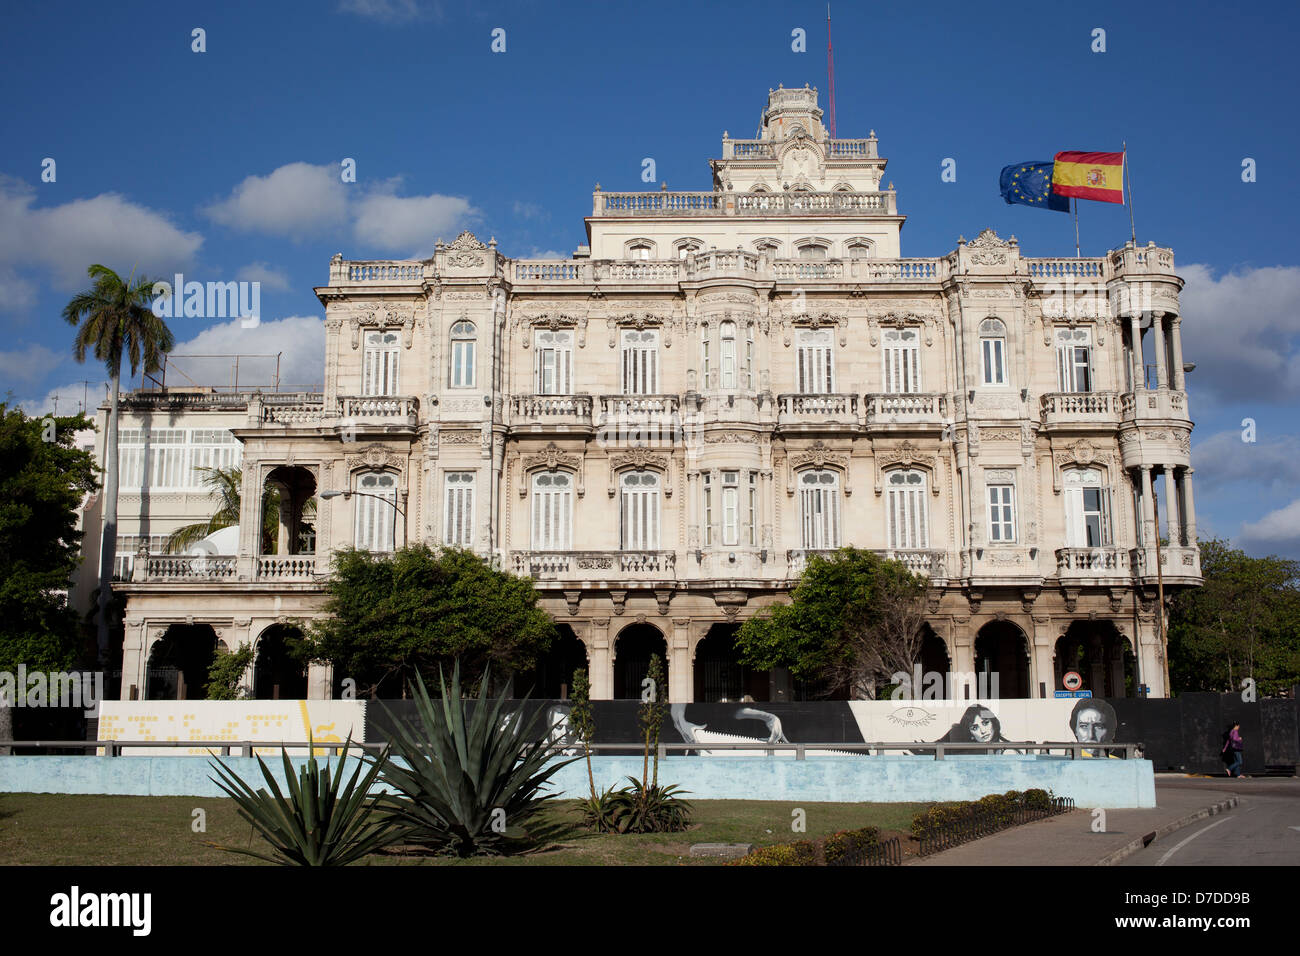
<point x="1061" y="268"/>
<point x="925" y="562"/>
<point x="638" y="406"/>
<point x="276" y="411"/>
<point x="377" y="271"/>
<point x="851" y="148"/>
<point x="544" y="565"/>
<point x="550" y="270"/>
<point x="662" y="203"/>
<point x="808" y="269"/>
<point x="291" y="567"/>
<point x="189" y="567"/>
<point x="797" y="559"/>
<point x="1093" y="561"/>
<point x="901" y="270"/>
<point x="905" y="407"/>
<point x="881" y="853"/>
<point x="552" y="409"/>
<point x="644" y="270"/>
<point x="818" y="407"/>
<point x="978" y="822"/>
<point x="377" y="406"/>
<point x="727" y="262"/>
<point x="1076" y="406"/>
<point x="232" y="401"/>
<point x="814" y="204"/>
<point x="749" y="149"/>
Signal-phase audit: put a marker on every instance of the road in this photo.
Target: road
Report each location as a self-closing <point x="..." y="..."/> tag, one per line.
<point x="1262" y="830"/>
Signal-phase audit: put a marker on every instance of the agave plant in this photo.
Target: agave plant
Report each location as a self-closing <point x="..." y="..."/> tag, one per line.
<point x="638" y="809"/>
<point x="469" y="784"/>
<point x="320" y="823"/>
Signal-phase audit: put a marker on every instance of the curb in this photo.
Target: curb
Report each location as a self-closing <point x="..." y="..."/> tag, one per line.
<point x="1142" y="842"/>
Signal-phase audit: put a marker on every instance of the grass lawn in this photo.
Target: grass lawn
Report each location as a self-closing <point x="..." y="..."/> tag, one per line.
<point x="58" y="829"/>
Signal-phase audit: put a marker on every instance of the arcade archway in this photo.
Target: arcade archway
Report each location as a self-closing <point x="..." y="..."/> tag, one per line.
<point x="632" y="653"/>
<point x="720" y="676"/>
<point x="1100" y="655"/>
<point x="276" y="674"/>
<point x="1001" y="661"/>
<point x="178" y="663"/>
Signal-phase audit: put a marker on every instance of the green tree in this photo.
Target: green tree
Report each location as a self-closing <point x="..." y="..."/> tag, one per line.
<point x="113" y="319"/>
<point x="226" y="486"/>
<point x="1243" y="622"/>
<point x="42" y="486"/>
<point x="225" y="673"/>
<point x="583" y="720"/>
<point x="391" y="617"/>
<point x="853" y="620"/>
<point x="654" y="707"/>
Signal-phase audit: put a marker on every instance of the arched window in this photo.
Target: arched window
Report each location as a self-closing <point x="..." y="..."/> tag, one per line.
<point x="376" y="511"/>
<point x="727" y="354"/>
<point x="858" y="248"/>
<point x="993" y="351"/>
<point x="819" y="509"/>
<point x="686" y="247"/>
<point x="816" y="356"/>
<point x="811" y="250"/>
<point x="554" y="361"/>
<point x="906" y="511"/>
<point x="380" y="375"/>
<point x="458" y="510"/>
<point x="1087" y="509"/>
<point x="639" y="511"/>
<point x="463" y="337"/>
<point x="902" y="360"/>
<point x="640" y="362"/>
<point x="552" y="511"/>
<point x="640" y="249"/>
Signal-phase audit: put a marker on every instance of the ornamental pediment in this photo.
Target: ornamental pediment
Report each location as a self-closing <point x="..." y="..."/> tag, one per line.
<point x="379" y="317"/>
<point x="902" y="320"/>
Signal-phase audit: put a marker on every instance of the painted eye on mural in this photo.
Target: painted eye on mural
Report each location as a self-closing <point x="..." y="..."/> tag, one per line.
<point x="912" y="717"/>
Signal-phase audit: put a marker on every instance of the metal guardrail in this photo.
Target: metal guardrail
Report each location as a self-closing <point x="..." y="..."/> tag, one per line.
<point x="982" y="823"/>
<point x="881" y="853"/>
<point x="937" y="750"/>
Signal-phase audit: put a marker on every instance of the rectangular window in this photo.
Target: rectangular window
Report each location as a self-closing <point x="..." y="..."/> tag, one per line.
<point x="1074" y="360"/>
<point x="640" y="371"/>
<point x="727" y="358"/>
<point x="552" y="511"/>
<point x="1002" y="521"/>
<point x="376" y="512"/>
<point x="995" y="369"/>
<point x="902" y="361"/>
<point x="707" y="485"/>
<point x="730" y="508"/>
<point x="130" y="459"/>
<point x="211" y="448"/>
<point x="706" y="365"/>
<point x="819" y="500"/>
<point x="554" y="362"/>
<point x="1087" y="510"/>
<point x="380" y="376"/>
<point x="640" y="512"/>
<point x="753" y="510"/>
<point x="165" y="459"/>
<point x="906" y="511"/>
<point x="749" y="357"/>
<point x="816" y="362"/>
<point x="458" y="509"/>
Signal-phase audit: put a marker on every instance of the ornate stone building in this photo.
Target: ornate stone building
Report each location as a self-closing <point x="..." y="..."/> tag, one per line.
<point x="662" y="429"/>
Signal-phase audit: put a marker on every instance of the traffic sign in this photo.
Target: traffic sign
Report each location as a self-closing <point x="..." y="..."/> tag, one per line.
<point x="1072" y="680"/>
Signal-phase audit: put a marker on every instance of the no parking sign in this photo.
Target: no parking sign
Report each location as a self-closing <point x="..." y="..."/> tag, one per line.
<point x="1072" y="680"/>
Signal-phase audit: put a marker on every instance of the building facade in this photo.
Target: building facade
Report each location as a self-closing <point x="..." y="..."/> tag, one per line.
<point x="664" y="428"/>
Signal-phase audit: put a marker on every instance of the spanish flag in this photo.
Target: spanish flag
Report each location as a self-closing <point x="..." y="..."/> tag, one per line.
<point x="1098" y="176"/>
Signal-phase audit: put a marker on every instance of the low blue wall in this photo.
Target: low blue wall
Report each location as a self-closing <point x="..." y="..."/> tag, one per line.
<point x="1092" y="783"/>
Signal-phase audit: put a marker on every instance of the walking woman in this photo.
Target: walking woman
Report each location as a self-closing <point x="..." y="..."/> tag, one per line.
<point x="1232" y="748"/>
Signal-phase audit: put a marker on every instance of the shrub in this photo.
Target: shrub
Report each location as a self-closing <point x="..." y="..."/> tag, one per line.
<point x="640" y="809"/>
<point x="800" y="853"/>
<point x="847" y="842"/>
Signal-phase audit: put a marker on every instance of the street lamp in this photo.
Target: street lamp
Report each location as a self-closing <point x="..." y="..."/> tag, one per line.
<point x="366" y="494"/>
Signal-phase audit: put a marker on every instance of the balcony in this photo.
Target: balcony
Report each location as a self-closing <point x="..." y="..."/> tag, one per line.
<point x="1065" y="409"/>
<point x="383" y="411"/>
<point x="595" y="565"/>
<point x="292" y="410"/>
<point x="184" y="567"/>
<point x="1160" y="403"/>
<point x="542" y="413"/>
<point x="756" y="204"/>
<point x="814" y="412"/>
<point x="363" y="272"/>
<point x="289" y="567"/>
<point x="927" y="563"/>
<point x="1178" y="564"/>
<point x="1093" y="565"/>
<point x="905" y="411"/>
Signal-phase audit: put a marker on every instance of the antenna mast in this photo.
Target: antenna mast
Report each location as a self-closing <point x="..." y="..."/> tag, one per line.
<point x="830" y="67"/>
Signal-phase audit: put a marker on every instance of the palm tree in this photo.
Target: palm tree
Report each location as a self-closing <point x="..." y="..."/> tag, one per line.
<point x="225" y="485"/>
<point x="114" y="317"/>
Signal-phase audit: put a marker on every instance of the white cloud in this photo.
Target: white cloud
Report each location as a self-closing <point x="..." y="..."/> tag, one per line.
<point x="1223" y="457"/>
<point x="409" y="223"/>
<point x="299" y="339"/>
<point x="64" y="239"/>
<point x="29" y="365"/>
<point x="1242" y="329"/>
<point x="1278" y="532"/>
<point x="529" y="210"/>
<point x="67" y="399"/>
<point x="536" y="253"/>
<point x="392" y="11"/>
<point x="269" y="276"/>
<point x="293" y="200"/>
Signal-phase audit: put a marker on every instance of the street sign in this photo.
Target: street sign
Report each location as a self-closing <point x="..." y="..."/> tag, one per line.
<point x="1071" y="694"/>
<point x="1072" y="680"/>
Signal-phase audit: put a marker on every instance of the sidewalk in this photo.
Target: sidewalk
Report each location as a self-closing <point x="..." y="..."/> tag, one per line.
<point x="1068" y="840"/>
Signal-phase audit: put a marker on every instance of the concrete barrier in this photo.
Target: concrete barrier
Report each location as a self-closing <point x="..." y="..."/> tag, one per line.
<point x="1112" y="784"/>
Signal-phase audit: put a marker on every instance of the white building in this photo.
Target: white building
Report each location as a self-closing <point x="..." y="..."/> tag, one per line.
<point x="663" y="428"/>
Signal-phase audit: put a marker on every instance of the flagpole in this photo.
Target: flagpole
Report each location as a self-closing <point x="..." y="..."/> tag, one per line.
<point x="1128" y="178"/>
<point x="1075" y="201"/>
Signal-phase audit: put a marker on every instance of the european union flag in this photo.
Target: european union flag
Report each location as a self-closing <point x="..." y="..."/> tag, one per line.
<point x="1031" y="185"/>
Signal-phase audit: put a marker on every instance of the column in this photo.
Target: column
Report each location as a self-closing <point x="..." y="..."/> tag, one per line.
<point x="1043" y="670"/>
<point x="1189" y="508"/>
<point x="1152" y="667"/>
<point x="1176" y="331"/>
<point x="285" y="521"/>
<point x="1135" y="352"/>
<point x="1097" y="666"/>
<point x="320" y="680"/>
<point x="600" y="662"/>
<point x="1148" y="512"/>
<point x="1158" y="327"/>
<point x="1116" y="665"/>
<point x="1171" y="507"/>
<point x="133" y="660"/>
<point x="963" y="661"/>
<point x="681" y="662"/>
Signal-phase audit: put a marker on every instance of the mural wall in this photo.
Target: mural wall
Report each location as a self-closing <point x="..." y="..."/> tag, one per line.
<point x="226" y="721"/>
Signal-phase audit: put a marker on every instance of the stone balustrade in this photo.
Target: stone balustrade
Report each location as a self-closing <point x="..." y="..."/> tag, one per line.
<point x="928" y="563"/>
<point x="289" y="567"/>
<point x="1079" y="407"/>
<point x="641" y="407"/>
<point x="395" y="408"/>
<point x="1098" y="562"/>
<point x="185" y="567"/>
<point x="1159" y="403"/>
<point x="376" y="272"/>
<point x="730" y="262"/>
<point x="906" y="408"/>
<point x="552" y="270"/>
<point x="803" y="269"/>
<point x="1062" y="268"/>
<point x="662" y="203"/>
<point x="279" y="411"/>
<point x="594" y="565"/>
<point x="551" y="409"/>
<point x="795" y="408"/>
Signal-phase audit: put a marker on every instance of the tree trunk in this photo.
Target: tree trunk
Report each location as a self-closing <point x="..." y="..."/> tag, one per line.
<point x="6" y="725"/>
<point x="108" y="544"/>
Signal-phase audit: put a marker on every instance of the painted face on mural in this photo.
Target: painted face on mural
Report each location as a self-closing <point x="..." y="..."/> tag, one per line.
<point x="1090" y="726"/>
<point x="981" y="728"/>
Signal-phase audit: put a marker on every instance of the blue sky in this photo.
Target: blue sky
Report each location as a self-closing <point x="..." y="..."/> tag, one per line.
<point x="224" y="164"/>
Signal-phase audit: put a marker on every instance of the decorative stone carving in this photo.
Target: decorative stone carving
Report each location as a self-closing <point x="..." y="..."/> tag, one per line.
<point x="640" y="459"/>
<point x="807" y="320"/>
<point x="818" y="456"/>
<point x="376" y="458"/>
<point x="989" y="250"/>
<point x="573" y="599"/>
<point x="901" y="320"/>
<point x="663" y="597"/>
<point x="378" y="317"/>
<point x="716" y="438"/>
<point x="461" y="436"/>
<point x="552" y="458"/>
<point x="907" y="455"/>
